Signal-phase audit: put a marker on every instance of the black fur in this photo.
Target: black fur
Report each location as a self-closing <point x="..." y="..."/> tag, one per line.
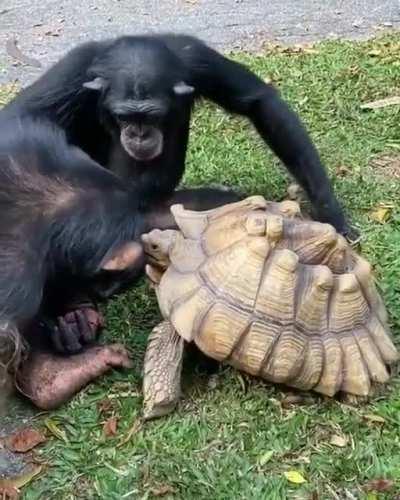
<point x="61" y="214"/>
<point x="135" y="77"/>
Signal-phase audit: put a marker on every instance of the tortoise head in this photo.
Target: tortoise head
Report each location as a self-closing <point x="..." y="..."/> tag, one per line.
<point x="157" y="247"/>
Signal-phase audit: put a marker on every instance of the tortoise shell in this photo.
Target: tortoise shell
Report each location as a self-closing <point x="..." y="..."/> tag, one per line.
<point x="255" y="285"/>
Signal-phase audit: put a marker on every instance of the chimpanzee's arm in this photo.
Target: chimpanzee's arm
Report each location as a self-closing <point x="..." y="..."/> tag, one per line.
<point x="58" y="93"/>
<point x="238" y="90"/>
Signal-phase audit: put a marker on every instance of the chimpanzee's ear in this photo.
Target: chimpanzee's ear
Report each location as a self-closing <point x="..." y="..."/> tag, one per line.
<point x="182" y="88"/>
<point x="98" y="83"/>
<point x="123" y="257"/>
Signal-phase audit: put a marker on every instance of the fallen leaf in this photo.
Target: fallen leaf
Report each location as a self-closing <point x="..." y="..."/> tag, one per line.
<point x="374" y="418"/>
<point x="342" y="171"/>
<point x="338" y="440"/>
<point x="105" y="406"/>
<point x="381" y="103"/>
<point x="381" y="213"/>
<point x="295" y="400"/>
<point x="110" y="427"/>
<point x="161" y="490"/>
<point x="379" y="485"/>
<point x="387" y="165"/>
<point x="24" y="440"/>
<point x="14" y="484"/>
<point x="136" y="427"/>
<point x="14" y="52"/>
<point x="55" y="430"/>
<point x="266" y="457"/>
<point x="294" y="477"/>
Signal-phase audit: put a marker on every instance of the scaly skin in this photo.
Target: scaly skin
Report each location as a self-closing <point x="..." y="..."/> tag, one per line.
<point x="162" y="371"/>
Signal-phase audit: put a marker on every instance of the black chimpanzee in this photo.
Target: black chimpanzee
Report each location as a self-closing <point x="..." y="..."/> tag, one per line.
<point x="67" y="225"/>
<point x="127" y="102"/>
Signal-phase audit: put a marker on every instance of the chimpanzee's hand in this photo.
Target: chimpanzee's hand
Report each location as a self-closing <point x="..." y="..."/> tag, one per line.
<point x="76" y="328"/>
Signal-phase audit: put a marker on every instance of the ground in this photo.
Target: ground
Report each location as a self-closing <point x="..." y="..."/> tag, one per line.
<point x="46" y="29"/>
<point x="233" y="436"/>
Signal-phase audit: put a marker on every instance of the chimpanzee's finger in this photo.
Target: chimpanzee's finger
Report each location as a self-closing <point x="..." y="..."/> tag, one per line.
<point x="69" y="337"/>
<point x="86" y="330"/>
<point x="56" y="340"/>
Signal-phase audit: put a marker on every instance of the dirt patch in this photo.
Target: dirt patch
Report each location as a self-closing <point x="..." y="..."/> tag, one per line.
<point x="387" y="166"/>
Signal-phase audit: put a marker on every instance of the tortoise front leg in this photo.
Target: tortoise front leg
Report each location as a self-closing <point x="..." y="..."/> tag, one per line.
<point x="162" y="371"/>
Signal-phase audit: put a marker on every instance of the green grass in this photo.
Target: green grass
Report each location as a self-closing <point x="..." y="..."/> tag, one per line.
<point x="232" y="438"/>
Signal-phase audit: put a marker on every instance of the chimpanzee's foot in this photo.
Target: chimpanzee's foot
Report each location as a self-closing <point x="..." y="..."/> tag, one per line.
<point x="50" y="379"/>
<point x="76" y="329"/>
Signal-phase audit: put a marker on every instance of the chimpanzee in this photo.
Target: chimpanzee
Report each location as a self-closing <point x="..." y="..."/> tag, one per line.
<point x="66" y="224"/>
<point x="127" y="102"/>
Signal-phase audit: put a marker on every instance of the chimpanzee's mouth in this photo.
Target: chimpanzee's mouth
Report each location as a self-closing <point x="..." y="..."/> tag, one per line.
<point x="143" y="146"/>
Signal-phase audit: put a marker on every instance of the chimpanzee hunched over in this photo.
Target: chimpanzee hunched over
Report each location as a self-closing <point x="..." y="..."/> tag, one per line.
<point x="127" y="102"/>
<point x="68" y="227"/>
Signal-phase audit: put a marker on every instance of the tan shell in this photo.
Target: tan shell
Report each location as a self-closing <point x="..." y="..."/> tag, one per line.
<point x="286" y="299"/>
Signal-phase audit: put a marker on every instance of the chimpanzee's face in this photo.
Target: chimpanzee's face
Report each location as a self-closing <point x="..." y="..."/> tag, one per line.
<point x="137" y="108"/>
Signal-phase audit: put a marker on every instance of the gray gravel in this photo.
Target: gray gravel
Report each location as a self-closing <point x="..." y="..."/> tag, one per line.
<point x="45" y="29"/>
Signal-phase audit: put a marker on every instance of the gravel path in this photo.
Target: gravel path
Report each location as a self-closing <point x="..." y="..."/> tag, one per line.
<point x="46" y="29"/>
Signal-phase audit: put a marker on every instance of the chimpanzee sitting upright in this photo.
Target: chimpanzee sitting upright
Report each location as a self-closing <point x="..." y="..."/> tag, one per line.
<point x="127" y="102"/>
<point x="66" y="224"/>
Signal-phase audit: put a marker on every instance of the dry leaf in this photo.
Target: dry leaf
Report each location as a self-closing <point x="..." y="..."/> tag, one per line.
<point x="110" y="427"/>
<point x="374" y="418"/>
<point x="381" y="103"/>
<point x="387" y="165"/>
<point x="161" y="490"/>
<point x="295" y="400"/>
<point x="266" y="457"/>
<point x="55" y="430"/>
<point x="24" y="440"/>
<point x="381" y="213"/>
<point x="14" y="484"/>
<point x="241" y="381"/>
<point x="136" y="427"/>
<point x="342" y="171"/>
<point x="13" y="51"/>
<point x="379" y="485"/>
<point x="338" y="440"/>
<point x="294" y="477"/>
<point x="104" y="406"/>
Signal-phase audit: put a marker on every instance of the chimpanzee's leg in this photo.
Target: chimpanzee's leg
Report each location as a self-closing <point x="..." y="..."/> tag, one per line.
<point x="50" y="380"/>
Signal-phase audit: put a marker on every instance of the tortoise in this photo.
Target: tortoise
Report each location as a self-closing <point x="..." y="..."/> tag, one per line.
<point x="255" y="285"/>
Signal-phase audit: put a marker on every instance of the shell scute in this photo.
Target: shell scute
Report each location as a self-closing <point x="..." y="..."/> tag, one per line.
<point x="279" y="297"/>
